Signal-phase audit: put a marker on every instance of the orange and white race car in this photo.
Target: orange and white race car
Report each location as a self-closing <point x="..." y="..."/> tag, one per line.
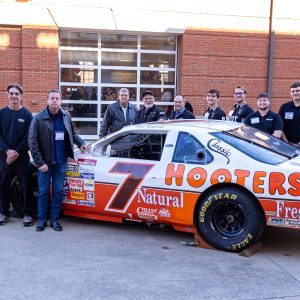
<point x="222" y="179"/>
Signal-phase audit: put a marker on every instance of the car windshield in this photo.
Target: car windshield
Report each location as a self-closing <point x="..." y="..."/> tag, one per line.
<point x="247" y="139"/>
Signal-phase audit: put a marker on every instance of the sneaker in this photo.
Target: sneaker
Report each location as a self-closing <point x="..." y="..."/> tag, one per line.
<point x="4" y="219"/>
<point x="27" y="221"/>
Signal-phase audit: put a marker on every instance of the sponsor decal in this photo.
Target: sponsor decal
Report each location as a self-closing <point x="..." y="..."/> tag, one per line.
<point x="164" y="213"/>
<point x="147" y="213"/>
<point x="214" y="145"/>
<point x="75" y="188"/>
<point x="274" y="183"/>
<point x="285" y="210"/>
<point x="72" y="174"/>
<point x="161" y="198"/>
<point x="86" y="203"/>
<point x="68" y="201"/>
<point x="90" y="196"/>
<point x="86" y="169"/>
<point x="72" y="167"/>
<point x="293" y="222"/>
<point x="270" y="213"/>
<point x="91" y="162"/>
<point x="77" y="195"/>
<point x="88" y="185"/>
<point x="74" y="185"/>
<point x="87" y="176"/>
<point x="74" y="181"/>
<point x="276" y="221"/>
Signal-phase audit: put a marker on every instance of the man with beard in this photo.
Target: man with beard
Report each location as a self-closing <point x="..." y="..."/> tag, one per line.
<point x="290" y="114"/>
<point x="264" y="119"/>
<point x="150" y="112"/>
<point x="241" y="109"/>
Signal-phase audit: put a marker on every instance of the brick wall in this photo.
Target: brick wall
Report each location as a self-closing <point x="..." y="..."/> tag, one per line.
<point x="223" y="60"/>
<point x="30" y="58"/>
<point x="207" y="59"/>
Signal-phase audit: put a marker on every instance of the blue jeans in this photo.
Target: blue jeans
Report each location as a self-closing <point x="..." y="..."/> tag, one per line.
<point x="57" y="173"/>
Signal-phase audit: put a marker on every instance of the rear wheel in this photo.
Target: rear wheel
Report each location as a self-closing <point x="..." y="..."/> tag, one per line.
<point x="229" y="219"/>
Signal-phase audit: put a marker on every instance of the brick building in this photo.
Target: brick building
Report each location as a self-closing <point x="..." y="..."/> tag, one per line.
<point x="91" y="48"/>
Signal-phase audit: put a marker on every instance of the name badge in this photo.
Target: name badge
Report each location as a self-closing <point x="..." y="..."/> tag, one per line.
<point x="59" y="136"/>
<point x="230" y="113"/>
<point x="21" y="120"/>
<point x="254" y="120"/>
<point x="269" y="119"/>
<point x="289" y="116"/>
<point x="206" y="115"/>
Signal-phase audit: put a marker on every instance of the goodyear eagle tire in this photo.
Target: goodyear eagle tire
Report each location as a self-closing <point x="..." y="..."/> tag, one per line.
<point x="230" y="219"/>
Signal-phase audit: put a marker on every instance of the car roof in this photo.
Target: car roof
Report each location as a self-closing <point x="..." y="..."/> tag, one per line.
<point x="216" y="125"/>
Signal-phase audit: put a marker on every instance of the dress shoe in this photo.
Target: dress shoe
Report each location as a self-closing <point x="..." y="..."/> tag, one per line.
<point x="56" y="226"/>
<point x="41" y="226"/>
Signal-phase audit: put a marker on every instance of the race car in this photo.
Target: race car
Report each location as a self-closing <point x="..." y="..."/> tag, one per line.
<point x="222" y="179"/>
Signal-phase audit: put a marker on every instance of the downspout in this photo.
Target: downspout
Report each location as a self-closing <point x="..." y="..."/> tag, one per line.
<point x="271" y="48"/>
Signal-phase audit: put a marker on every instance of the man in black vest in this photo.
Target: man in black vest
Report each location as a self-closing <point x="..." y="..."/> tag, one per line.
<point x="241" y="109"/>
<point x="264" y="119"/>
<point x="214" y="111"/>
<point x="290" y="114"/>
<point x="150" y="112"/>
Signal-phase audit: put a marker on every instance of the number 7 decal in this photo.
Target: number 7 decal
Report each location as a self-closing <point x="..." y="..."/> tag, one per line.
<point x="126" y="191"/>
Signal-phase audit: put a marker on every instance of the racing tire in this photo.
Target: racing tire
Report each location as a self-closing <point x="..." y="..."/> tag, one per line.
<point x="229" y="219"/>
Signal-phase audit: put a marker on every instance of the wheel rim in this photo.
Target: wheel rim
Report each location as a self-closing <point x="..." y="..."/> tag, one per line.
<point x="228" y="219"/>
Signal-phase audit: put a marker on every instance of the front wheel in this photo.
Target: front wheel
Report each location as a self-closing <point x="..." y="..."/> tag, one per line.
<point x="230" y="219"/>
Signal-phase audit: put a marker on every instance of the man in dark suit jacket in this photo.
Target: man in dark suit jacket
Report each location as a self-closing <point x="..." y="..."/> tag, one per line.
<point x="180" y="111"/>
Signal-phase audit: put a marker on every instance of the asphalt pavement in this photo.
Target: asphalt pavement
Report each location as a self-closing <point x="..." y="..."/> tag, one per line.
<point x="102" y="260"/>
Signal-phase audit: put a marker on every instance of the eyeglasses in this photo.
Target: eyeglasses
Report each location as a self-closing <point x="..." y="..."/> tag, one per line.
<point x="239" y="93"/>
<point x="12" y="93"/>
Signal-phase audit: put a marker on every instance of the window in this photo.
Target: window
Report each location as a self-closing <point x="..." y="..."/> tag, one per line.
<point x="133" y="145"/>
<point x="258" y="145"/>
<point x="189" y="150"/>
<point x="94" y="66"/>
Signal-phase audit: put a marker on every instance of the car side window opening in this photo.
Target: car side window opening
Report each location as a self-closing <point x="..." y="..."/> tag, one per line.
<point x="134" y="145"/>
<point x="189" y="150"/>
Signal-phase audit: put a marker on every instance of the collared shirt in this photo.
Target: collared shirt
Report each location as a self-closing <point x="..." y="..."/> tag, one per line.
<point x="59" y="137"/>
<point x="240" y="112"/>
<point x="124" y="111"/>
<point x="179" y="112"/>
<point x="268" y="123"/>
<point x="290" y="115"/>
<point x="215" y="114"/>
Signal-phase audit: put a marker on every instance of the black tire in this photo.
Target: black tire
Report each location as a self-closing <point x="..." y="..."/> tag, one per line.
<point x="230" y="219"/>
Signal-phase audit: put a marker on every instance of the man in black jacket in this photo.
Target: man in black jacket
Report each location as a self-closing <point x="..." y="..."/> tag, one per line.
<point x="14" y="159"/>
<point x="180" y="111"/>
<point x="150" y="112"/>
<point x="51" y="137"/>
